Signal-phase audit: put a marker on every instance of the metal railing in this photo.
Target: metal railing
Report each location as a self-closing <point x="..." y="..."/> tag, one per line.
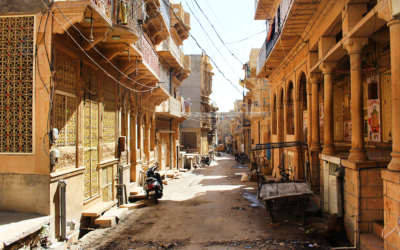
<point x="266" y="49"/>
<point x="165" y="79"/>
<point x="164" y="9"/>
<point x="133" y="16"/>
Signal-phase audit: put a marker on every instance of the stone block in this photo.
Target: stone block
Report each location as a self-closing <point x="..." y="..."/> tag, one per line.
<point x="391" y="176"/>
<point x="371" y="242"/>
<point x="364" y="226"/>
<point x="393" y="191"/>
<point x="364" y="178"/>
<point x="391" y="221"/>
<point x="371" y="215"/>
<point x="120" y="213"/>
<point x="135" y="205"/>
<point x="376" y="191"/>
<point x="106" y="222"/>
<point x="375" y="203"/>
<point x="374" y="178"/>
<point x="392" y="206"/>
<point x="377" y="228"/>
<point x="393" y="238"/>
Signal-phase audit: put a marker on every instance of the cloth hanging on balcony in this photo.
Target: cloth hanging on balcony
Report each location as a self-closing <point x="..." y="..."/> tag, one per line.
<point x="123" y="12"/>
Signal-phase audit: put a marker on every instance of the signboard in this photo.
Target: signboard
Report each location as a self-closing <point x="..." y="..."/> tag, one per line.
<point x="321" y="114"/>
<point x="374" y="109"/>
<point x="347" y="130"/>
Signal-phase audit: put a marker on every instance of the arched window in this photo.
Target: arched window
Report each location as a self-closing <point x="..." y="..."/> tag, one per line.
<point x="274" y="118"/>
<point x="290" y="110"/>
<point x="303" y="107"/>
<point x="281" y="119"/>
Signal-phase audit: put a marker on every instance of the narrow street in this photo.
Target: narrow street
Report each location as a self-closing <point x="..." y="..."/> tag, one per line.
<point x="207" y="208"/>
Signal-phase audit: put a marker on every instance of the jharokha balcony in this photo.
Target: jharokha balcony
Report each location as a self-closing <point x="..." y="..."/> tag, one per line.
<point x="158" y="22"/>
<point x="283" y="31"/>
<point x="102" y="22"/>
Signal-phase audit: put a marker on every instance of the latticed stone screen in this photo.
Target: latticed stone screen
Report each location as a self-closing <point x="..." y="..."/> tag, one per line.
<point x="109" y="115"/>
<point x="16" y="84"/>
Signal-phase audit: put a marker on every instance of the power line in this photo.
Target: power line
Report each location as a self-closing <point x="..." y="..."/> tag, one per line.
<point x="197" y="43"/>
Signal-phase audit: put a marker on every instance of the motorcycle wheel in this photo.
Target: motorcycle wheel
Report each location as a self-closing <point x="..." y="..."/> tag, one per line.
<point x="155" y="200"/>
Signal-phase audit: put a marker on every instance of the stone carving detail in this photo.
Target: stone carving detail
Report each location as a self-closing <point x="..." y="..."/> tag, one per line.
<point x="66" y="161"/>
<point x="73" y="18"/>
<point x="109" y="113"/>
<point x="16" y="88"/>
<point x="355" y="45"/>
<point x="108" y="151"/>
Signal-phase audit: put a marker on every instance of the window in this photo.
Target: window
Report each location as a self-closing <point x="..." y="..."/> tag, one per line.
<point x="16" y="85"/>
<point x="189" y="140"/>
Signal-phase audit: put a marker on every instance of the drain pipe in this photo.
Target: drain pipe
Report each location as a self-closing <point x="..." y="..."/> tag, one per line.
<point x="121" y="187"/>
<point x="63" y="208"/>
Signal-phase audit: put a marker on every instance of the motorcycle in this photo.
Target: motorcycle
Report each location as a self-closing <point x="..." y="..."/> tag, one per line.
<point x="238" y="155"/>
<point x="205" y="160"/>
<point x="153" y="188"/>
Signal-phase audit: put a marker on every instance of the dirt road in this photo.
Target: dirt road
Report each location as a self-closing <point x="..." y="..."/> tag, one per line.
<point x="208" y="208"/>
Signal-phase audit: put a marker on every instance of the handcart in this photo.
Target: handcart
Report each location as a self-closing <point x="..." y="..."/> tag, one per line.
<point x="271" y="191"/>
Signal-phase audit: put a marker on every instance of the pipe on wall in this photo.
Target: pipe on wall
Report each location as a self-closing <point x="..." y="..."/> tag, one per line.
<point x="62" y="184"/>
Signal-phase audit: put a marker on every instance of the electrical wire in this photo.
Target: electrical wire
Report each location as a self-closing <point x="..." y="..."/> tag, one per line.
<point x="197" y="43"/>
<point x="109" y="75"/>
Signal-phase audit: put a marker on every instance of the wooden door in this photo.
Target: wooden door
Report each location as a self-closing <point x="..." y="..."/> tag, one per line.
<point x="386" y="82"/>
<point x="90" y="144"/>
<point x="338" y="114"/>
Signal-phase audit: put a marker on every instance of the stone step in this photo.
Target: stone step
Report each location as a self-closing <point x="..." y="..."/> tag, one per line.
<point x="371" y="242"/>
<point x="138" y="197"/>
<point x="170" y="174"/>
<point x="137" y="190"/>
<point x="133" y="185"/>
<point x="120" y="213"/>
<point x="182" y="170"/>
<point x="377" y="227"/>
<point x="98" y="209"/>
<point x="106" y="221"/>
<point x="135" y="205"/>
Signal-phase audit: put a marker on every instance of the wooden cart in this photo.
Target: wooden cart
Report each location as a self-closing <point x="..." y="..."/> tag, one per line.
<point x="270" y="191"/>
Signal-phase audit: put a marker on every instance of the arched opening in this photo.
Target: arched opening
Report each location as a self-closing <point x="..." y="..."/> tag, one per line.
<point x="303" y="107"/>
<point x="281" y="120"/>
<point x="274" y="118"/>
<point x="290" y="110"/>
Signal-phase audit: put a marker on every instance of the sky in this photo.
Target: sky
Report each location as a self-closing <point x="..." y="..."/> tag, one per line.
<point x="234" y="21"/>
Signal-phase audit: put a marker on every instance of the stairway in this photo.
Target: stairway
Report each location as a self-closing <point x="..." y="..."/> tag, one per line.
<point x="373" y="241"/>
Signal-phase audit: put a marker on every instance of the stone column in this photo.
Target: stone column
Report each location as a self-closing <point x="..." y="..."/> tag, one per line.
<point x="327" y="69"/>
<point x="394" y="27"/>
<point x="354" y="47"/>
<point x="315" y="143"/>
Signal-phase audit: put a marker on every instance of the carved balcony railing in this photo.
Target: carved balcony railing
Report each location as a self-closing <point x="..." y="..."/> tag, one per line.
<point x="150" y="57"/>
<point x="171" y="53"/>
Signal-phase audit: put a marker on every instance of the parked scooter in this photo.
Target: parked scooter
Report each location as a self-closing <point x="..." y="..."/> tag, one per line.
<point x="153" y="188"/>
<point x="205" y="160"/>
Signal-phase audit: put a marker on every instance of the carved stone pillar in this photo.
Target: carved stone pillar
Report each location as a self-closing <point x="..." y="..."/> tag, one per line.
<point x="315" y="142"/>
<point x="354" y="47"/>
<point x="394" y="27"/>
<point x="327" y="69"/>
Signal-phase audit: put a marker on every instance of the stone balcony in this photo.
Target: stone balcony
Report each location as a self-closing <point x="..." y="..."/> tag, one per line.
<point x="97" y="20"/>
<point x="171" y="53"/>
<point x="171" y="108"/>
